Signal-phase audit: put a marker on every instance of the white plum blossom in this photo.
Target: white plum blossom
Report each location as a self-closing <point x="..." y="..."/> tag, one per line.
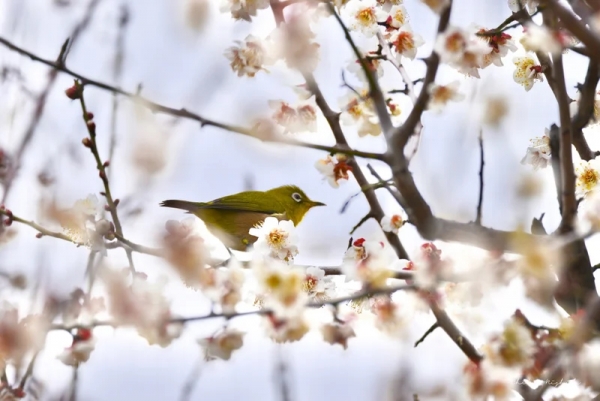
<point x="287" y="329"/>
<point x="276" y="239"/>
<point x="244" y="9"/>
<point x="540" y="38"/>
<point x="437" y="6"/>
<point x="527" y="72"/>
<point x="222" y="345"/>
<point x="588" y="176"/>
<point x="248" y="57"/>
<point x="500" y="44"/>
<point x="393" y="223"/>
<point x="374" y="63"/>
<point x="368" y="263"/>
<point x="440" y="95"/>
<point x="398" y="17"/>
<point x="529" y="5"/>
<point x="334" y="169"/>
<point x="318" y="286"/>
<point x="404" y="42"/>
<point x="363" y="16"/>
<point x="539" y="152"/>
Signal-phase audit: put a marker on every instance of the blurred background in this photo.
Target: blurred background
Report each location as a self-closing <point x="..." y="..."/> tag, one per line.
<point x="158" y="157"/>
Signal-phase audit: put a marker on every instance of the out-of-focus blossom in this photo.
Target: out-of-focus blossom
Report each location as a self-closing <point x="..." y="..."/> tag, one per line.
<point x="574" y="108"/>
<point x="374" y="64"/>
<point x="18" y="336"/>
<point x="243" y="9"/>
<point x="187" y="253"/>
<point x="429" y="268"/>
<point x="437" y="6"/>
<point x="364" y="16"/>
<point x="293" y="41"/>
<point x="248" y="57"/>
<point x="515" y="347"/>
<point x="226" y="290"/>
<point x="527" y="72"/>
<point x="266" y="129"/>
<point x="196" y="13"/>
<point x="490" y="380"/>
<point x="141" y="304"/>
<point x="337" y="333"/>
<point x="589" y="211"/>
<point x="529" y="5"/>
<point x="82" y="223"/>
<point x="276" y="239"/>
<point x="80" y="309"/>
<point x="386" y="5"/>
<point x="334" y="169"/>
<point x="540" y="38"/>
<point x="149" y="153"/>
<point x="405" y="43"/>
<point x="222" y="345"/>
<point x="286" y="329"/>
<point x="80" y="350"/>
<point x="588" y="176"/>
<point x="366" y="262"/>
<point x="318" y="287"/>
<point x="588" y="363"/>
<point x="462" y="50"/>
<point x="6" y="166"/>
<point x="393" y="223"/>
<point x="495" y="110"/>
<point x="282" y="287"/>
<point x="539" y="152"/>
<point x="440" y="95"/>
<point x="390" y="317"/>
<point x="294" y="119"/>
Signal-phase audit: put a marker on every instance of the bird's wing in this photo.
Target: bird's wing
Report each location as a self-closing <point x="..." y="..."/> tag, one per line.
<point x="255" y="202"/>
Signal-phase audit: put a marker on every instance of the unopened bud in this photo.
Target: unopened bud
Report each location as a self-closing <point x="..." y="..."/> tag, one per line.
<point x="8" y="222"/>
<point x="74" y="92"/>
<point x="116" y="202"/>
<point x="87" y="142"/>
<point x="89" y="116"/>
<point x="110" y="236"/>
<point x="102" y="193"/>
<point x="107" y="163"/>
<point x="102" y="174"/>
<point x="107" y="208"/>
<point x="18" y="281"/>
<point x="91" y="126"/>
<point x="39" y="235"/>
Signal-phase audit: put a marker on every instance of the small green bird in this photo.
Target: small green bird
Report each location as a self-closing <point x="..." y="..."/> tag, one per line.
<point x="230" y="218"/>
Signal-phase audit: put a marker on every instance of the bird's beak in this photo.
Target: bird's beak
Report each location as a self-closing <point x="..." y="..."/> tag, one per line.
<point x="317" y="204"/>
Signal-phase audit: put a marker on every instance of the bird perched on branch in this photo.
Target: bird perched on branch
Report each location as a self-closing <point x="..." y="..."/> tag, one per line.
<point x="230" y="218"/>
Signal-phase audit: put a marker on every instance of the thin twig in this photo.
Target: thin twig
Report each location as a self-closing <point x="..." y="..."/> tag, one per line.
<point x="42" y="99"/>
<point x="427" y="333"/>
<point x="361" y="222"/>
<point x="29" y="372"/>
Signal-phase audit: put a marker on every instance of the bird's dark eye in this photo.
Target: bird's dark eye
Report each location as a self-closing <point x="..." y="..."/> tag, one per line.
<point x="297" y="197"/>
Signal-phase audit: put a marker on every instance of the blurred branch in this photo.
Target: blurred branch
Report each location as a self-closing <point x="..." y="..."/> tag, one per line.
<point x="588" y="37"/>
<point x="401" y="134"/>
<point x="40" y="103"/>
<point x="374" y="90"/>
<point x="585" y="111"/>
<point x="569" y="206"/>
<point x="29" y="372"/>
<point x="229" y="316"/>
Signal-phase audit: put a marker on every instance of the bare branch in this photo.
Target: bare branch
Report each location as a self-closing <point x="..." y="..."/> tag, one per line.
<point x="427" y="333"/>
<point x="585" y="111"/>
<point x="481" y="164"/>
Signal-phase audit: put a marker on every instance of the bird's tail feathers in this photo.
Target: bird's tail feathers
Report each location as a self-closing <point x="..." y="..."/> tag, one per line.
<point x="179" y="204"/>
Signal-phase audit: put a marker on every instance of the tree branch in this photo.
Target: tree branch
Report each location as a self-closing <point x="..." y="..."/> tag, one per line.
<point x="481" y="164"/>
<point x="590" y="39"/>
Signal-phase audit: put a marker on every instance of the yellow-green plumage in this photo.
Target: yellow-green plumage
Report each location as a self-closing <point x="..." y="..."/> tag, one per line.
<point x="230" y="218"/>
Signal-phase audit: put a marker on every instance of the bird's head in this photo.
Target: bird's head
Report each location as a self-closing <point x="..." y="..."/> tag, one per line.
<point x="294" y="201"/>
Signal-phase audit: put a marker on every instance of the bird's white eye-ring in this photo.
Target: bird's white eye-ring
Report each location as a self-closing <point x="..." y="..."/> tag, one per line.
<point x="297" y="197"/>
